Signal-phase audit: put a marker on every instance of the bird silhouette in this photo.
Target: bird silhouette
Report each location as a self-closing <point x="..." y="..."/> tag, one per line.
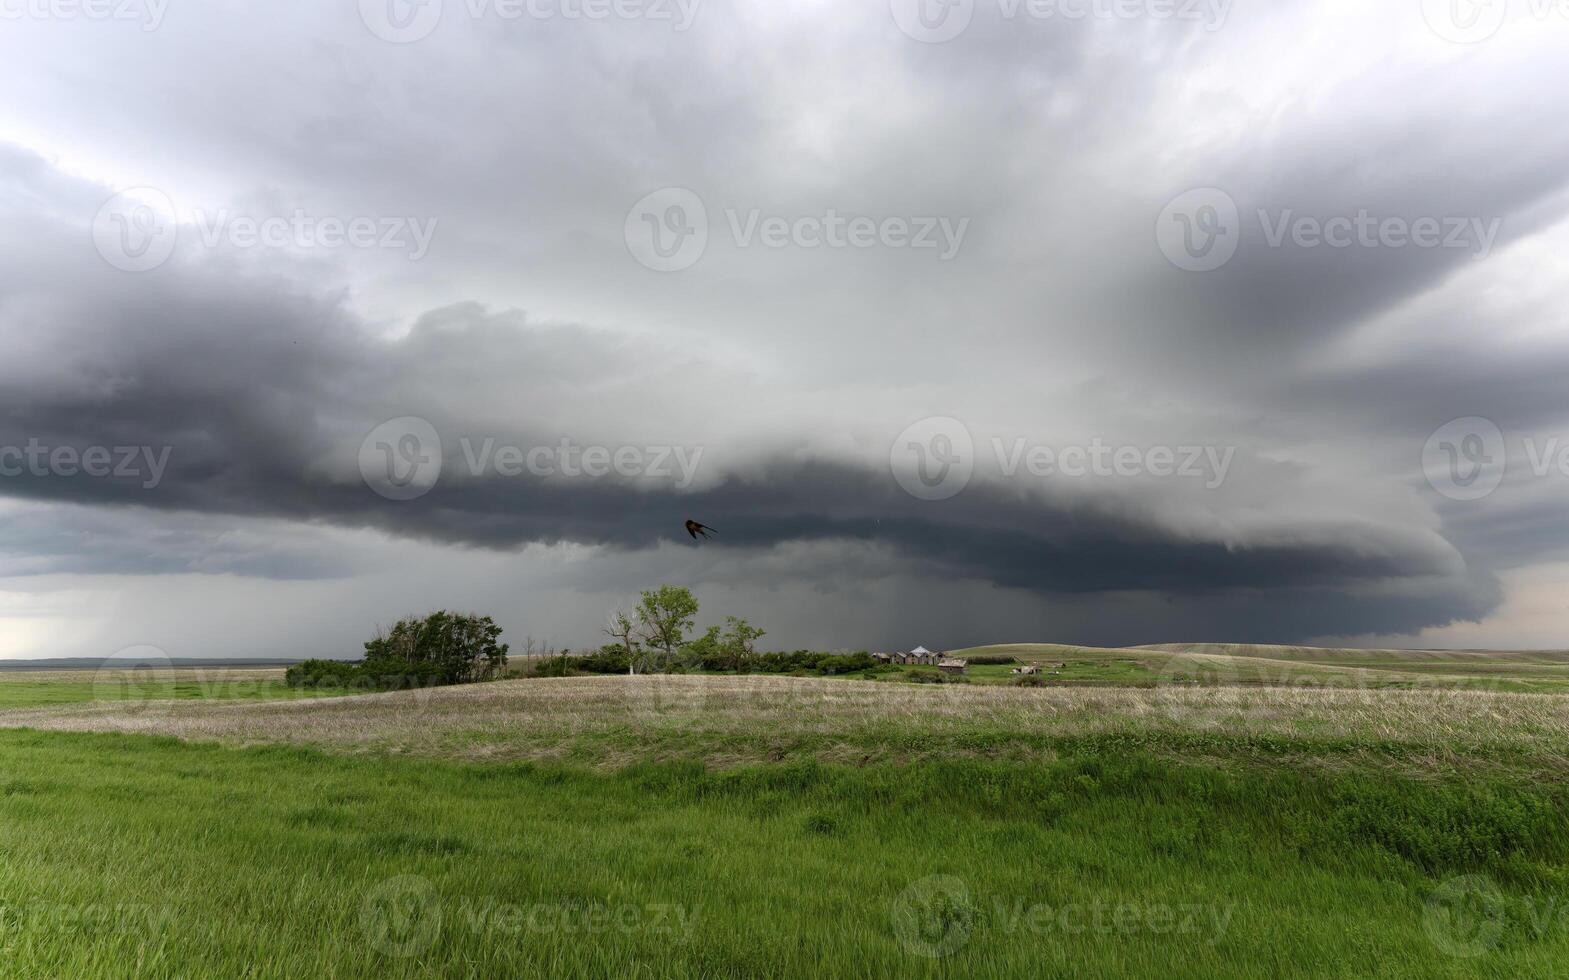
<point x="694" y="529"/>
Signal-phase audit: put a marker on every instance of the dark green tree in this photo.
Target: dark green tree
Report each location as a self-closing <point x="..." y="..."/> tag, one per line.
<point x="737" y="642"/>
<point x="664" y="616"/>
<point x="442" y="648"/>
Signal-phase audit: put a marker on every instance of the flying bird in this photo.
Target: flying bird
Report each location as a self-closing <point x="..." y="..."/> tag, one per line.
<point x="694" y="529"/>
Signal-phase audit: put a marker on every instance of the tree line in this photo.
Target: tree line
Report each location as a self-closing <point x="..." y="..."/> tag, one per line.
<point x="658" y="635"/>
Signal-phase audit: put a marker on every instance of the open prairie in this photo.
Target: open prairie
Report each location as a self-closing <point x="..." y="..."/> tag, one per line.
<point x="728" y="720"/>
<point x="722" y="825"/>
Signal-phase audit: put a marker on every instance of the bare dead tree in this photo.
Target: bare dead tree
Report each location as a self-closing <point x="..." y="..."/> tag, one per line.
<point x="623" y="629"/>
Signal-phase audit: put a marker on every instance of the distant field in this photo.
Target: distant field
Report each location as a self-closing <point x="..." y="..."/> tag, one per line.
<point x="22" y="688"/>
<point x="720" y="826"/>
<point x="1281" y="666"/>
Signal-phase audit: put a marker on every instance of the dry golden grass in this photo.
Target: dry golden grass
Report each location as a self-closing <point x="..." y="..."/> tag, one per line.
<point x="731" y="720"/>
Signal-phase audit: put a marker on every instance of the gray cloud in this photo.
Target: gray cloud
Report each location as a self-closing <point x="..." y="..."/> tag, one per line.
<point x="792" y="370"/>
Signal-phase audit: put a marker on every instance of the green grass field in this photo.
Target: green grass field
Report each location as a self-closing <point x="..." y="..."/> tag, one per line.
<point x="28" y="688"/>
<point x="720" y="827"/>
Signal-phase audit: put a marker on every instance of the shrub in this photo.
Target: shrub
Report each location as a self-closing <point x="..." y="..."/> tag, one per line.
<point x="992" y="661"/>
<point x="609" y="660"/>
<point x="930" y="676"/>
<point x="829" y="663"/>
<point x="561" y="666"/>
<point x="321" y="673"/>
<point x="810" y="662"/>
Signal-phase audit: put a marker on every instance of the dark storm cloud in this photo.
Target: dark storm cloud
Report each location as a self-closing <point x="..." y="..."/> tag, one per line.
<point x="251" y="413"/>
<point x="262" y="396"/>
<point x="792" y="371"/>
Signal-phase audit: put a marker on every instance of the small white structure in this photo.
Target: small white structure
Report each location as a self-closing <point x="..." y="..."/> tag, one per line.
<point x="1027" y="669"/>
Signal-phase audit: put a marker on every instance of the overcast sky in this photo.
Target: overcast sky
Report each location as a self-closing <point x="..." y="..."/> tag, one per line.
<point x="1098" y="321"/>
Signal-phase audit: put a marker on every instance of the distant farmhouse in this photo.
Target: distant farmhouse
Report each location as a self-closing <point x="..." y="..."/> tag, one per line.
<point x="922" y="657"/>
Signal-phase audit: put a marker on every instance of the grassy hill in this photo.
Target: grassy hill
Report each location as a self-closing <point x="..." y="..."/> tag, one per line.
<point x="718" y="826"/>
<point x="1290" y="666"/>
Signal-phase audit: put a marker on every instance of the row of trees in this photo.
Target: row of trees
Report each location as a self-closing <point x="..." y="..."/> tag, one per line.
<point x="656" y="635"/>
<point x="442" y="648"/>
<point x="653" y="635"/>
